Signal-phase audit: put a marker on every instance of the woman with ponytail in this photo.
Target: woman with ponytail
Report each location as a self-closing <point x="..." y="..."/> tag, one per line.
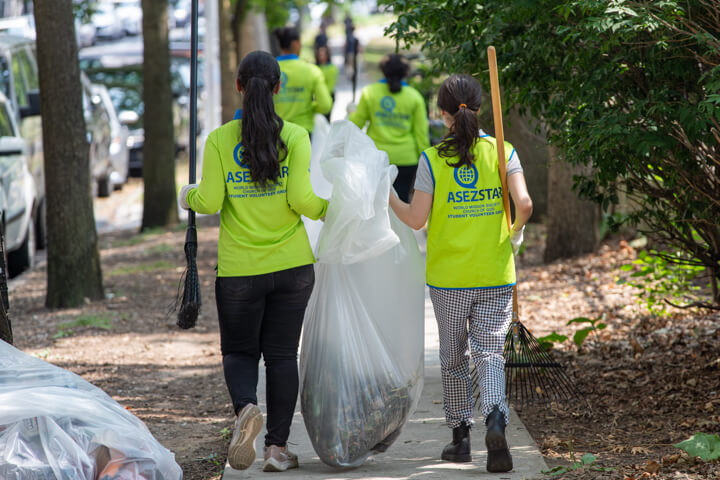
<point x="470" y="265"/>
<point x="397" y="119"/>
<point x="256" y="173"/>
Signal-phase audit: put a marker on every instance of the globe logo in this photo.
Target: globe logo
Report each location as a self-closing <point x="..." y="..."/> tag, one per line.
<point x="387" y="104"/>
<point x="466" y="177"/>
<point x="238" y="155"/>
<point x="283" y="79"/>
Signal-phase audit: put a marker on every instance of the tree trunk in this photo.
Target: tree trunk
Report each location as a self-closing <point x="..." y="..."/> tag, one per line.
<point x="228" y="62"/>
<point x="532" y="149"/>
<point x="6" y="334"/>
<point x="573" y="224"/>
<point x="159" y="206"/>
<point x="254" y="34"/>
<point x="5" y="327"/>
<point x="73" y="261"/>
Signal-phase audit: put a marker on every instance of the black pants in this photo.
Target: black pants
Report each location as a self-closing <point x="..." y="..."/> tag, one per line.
<point x="262" y="315"/>
<point x="404" y="182"/>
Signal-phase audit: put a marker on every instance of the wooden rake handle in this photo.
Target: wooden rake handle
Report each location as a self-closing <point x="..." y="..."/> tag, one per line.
<point x="500" y="145"/>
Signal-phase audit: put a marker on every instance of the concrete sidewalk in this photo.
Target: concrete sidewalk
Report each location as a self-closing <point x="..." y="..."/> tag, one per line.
<point x="416" y="454"/>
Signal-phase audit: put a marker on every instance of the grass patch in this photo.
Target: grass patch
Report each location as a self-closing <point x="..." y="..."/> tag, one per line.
<point x="141" y="268"/>
<point x="146" y="234"/>
<point x="67" y="329"/>
<point x="160" y="249"/>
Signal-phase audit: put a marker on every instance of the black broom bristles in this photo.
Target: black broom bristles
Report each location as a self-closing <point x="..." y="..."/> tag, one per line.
<point x="190" y="304"/>
<point x="532" y="375"/>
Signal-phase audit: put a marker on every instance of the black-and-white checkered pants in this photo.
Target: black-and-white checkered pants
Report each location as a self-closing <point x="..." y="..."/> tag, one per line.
<point x="483" y="317"/>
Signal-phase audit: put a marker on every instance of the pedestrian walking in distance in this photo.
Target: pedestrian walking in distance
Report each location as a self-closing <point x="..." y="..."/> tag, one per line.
<point x="303" y="91"/>
<point x="256" y="173"/>
<point x="397" y="120"/>
<point x="470" y="265"/>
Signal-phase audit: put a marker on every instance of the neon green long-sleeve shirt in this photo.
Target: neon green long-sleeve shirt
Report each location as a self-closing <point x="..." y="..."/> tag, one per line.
<point x="398" y="121"/>
<point x="303" y="92"/>
<point x="330" y="72"/>
<point x="260" y="229"/>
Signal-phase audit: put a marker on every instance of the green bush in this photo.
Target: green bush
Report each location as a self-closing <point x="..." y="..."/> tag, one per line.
<point x="630" y="88"/>
<point x="661" y="276"/>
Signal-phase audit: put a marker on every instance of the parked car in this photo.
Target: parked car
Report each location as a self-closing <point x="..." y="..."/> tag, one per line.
<point x="22" y="26"/>
<point x="120" y="133"/>
<point x="108" y="24"/>
<point x="19" y="84"/>
<point x="18" y="195"/>
<point x="85" y="34"/>
<point x="99" y="136"/>
<point x="182" y="12"/>
<point x="130" y="12"/>
<point x="123" y="77"/>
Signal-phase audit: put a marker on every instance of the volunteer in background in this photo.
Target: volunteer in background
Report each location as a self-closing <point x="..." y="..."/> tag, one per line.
<point x="303" y="91"/>
<point x="330" y="71"/>
<point x="470" y="265"/>
<point x="256" y="172"/>
<point x="398" y="120"/>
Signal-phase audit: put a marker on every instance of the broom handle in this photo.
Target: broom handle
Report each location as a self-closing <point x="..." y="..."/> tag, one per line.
<point x="192" y="141"/>
<point x="500" y="144"/>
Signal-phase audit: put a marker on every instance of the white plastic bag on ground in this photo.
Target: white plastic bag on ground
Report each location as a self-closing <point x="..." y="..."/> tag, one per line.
<point x="55" y="425"/>
<point x="361" y="360"/>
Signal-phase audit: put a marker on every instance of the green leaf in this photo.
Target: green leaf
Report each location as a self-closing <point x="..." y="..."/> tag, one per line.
<point x="588" y="458"/>
<point x="581" y="335"/>
<point x="702" y="445"/>
<point x="559" y="470"/>
<point x="580" y="320"/>
<point x="553" y="338"/>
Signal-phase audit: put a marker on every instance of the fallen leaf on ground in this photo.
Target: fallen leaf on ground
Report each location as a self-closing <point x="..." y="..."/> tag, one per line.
<point x="639" y="450"/>
<point x="652" y="467"/>
<point x="551" y="441"/>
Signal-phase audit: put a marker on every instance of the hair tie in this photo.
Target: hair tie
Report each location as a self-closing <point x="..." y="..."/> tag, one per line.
<point x="462" y="105"/>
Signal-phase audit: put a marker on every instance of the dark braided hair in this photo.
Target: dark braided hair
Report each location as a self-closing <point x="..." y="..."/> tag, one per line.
<point x="263" y="149"/>
<point x="460" y="96"/>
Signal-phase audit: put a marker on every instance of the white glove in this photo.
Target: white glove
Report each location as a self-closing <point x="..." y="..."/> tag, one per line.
<point x="516" y="239"/>
<point x="182" y="196"/>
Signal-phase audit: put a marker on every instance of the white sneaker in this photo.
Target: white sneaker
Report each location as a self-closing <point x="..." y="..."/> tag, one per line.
<point x="248" y="424"/>
<point x="279" y="459"/>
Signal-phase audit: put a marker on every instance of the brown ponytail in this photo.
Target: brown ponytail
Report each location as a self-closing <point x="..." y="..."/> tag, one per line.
<point x="460" y="96"/>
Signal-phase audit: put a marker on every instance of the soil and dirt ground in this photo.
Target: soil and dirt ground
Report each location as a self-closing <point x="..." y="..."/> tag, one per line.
<point x="649" y="381"/>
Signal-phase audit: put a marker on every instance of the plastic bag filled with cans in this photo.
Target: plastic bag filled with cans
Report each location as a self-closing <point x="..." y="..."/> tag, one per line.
<point x="361" y="358"/>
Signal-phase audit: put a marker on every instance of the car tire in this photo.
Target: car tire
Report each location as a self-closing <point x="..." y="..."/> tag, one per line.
<point x="24" y="257"/>
<point x="103" y="187"/>
<point x="41" y="226"/>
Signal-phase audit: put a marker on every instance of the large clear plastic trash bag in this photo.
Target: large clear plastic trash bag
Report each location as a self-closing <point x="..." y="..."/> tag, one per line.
<point x="55" y="425"/>
<point x="361" y="362"/>
<point x="321" y="187"/>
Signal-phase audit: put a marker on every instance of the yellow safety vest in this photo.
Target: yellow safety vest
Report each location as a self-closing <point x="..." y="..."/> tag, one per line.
<point x="468" y="242"/>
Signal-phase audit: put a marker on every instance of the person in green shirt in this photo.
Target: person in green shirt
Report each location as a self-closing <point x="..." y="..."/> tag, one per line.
<point x="303" y="91"/>
<point x="397" y="119"/>
<point x="330" y="71"/>
<point x="256" y="173"/>
<point x="470" y="266"/>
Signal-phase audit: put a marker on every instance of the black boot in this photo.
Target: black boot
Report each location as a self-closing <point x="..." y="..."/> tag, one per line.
<point x="499" y="459"/>
<point x="459" y="450"/>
